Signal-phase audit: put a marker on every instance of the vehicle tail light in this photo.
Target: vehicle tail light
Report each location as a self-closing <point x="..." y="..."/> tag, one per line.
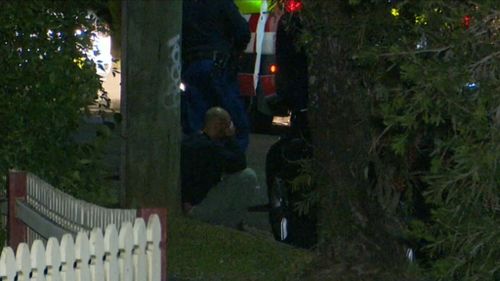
<point x="293" y="6"/>
<point x="273" y="68"/>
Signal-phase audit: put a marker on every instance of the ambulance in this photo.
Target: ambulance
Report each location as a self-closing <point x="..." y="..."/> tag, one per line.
<point x="261" y="78"/>
<point x="257" y="66"/>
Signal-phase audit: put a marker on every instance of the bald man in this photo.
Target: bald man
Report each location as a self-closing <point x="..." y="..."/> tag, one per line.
<point x="217" y="186"/>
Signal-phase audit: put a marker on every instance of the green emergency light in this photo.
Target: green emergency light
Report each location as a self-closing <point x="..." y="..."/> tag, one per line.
<point x="249" y="6"/>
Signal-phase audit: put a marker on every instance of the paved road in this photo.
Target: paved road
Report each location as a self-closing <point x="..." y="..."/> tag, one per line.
<point x="256" y="155"/>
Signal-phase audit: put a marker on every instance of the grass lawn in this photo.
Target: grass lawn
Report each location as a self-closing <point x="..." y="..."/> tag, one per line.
<point x="199" y="251"/>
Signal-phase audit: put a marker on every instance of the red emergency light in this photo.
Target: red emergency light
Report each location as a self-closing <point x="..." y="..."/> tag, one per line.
<point x="466" y="21"/>
<point x="293" y="6"/>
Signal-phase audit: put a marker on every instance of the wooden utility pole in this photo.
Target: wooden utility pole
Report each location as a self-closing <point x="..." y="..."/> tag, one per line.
<point x="150" y="97"/>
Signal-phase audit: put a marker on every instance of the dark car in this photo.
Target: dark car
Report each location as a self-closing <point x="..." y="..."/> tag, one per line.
<point x="285" y="157"/>
<point x="283" y="165"/>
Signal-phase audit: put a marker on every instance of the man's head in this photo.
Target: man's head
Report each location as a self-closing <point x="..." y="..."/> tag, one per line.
<point x="218" y="124"/>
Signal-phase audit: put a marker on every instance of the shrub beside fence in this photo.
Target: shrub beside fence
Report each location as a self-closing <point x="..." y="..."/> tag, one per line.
<point x="39" y="214"/>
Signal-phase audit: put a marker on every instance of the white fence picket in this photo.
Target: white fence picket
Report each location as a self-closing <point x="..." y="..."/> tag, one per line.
<point x="23" y="261"/>
<point x="125" y="238"/>
<point x="111" y="251"/>
<point x="96" y="255"/>
<point x="53" y="256"/>
<point x="7" y="265"/>
<point x="71" y="213"/>
<point x="37" y="261"/>
<point x="82" y="247"/>
<point x="67" y="258"/>
<point x="153" y="248"/>
<point x="132" y="254"/>
<point x="139" y="250"/>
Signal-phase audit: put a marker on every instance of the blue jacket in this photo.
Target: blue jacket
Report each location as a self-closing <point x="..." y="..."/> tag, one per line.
<point x="204" y="161"/>
<point x="213" y="26"/>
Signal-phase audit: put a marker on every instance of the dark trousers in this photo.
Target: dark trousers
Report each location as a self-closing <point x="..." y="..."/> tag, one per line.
<point x="208" y="86"/>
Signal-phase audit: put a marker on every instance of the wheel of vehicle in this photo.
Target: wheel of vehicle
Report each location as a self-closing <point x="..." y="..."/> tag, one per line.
<point x="288" y="225"/>
<point x="278" y="213"/>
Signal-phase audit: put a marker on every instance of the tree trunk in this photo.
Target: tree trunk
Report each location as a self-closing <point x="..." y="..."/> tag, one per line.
<point x="151" y="103"/>
<point x="358" y="239"/>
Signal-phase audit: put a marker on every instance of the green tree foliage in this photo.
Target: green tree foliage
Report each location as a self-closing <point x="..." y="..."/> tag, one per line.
<point x="418" y="82"/>
<point x="47" y="82"/>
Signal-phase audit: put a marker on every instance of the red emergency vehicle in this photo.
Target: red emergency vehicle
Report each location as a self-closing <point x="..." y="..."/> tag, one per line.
<point x="258" y="63"/>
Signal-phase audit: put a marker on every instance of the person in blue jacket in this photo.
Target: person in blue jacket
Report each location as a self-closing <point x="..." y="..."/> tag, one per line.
<point x="213" y="35"/>
<point x="216" y="185"/>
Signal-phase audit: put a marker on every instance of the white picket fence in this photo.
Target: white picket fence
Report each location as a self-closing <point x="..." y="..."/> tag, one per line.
<point x="67" y="212"/>
<point x="132" y="254"/>
<point x="40" y="215"/>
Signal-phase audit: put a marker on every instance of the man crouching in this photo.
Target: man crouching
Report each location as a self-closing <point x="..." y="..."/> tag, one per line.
<point x="217" y="186"/>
